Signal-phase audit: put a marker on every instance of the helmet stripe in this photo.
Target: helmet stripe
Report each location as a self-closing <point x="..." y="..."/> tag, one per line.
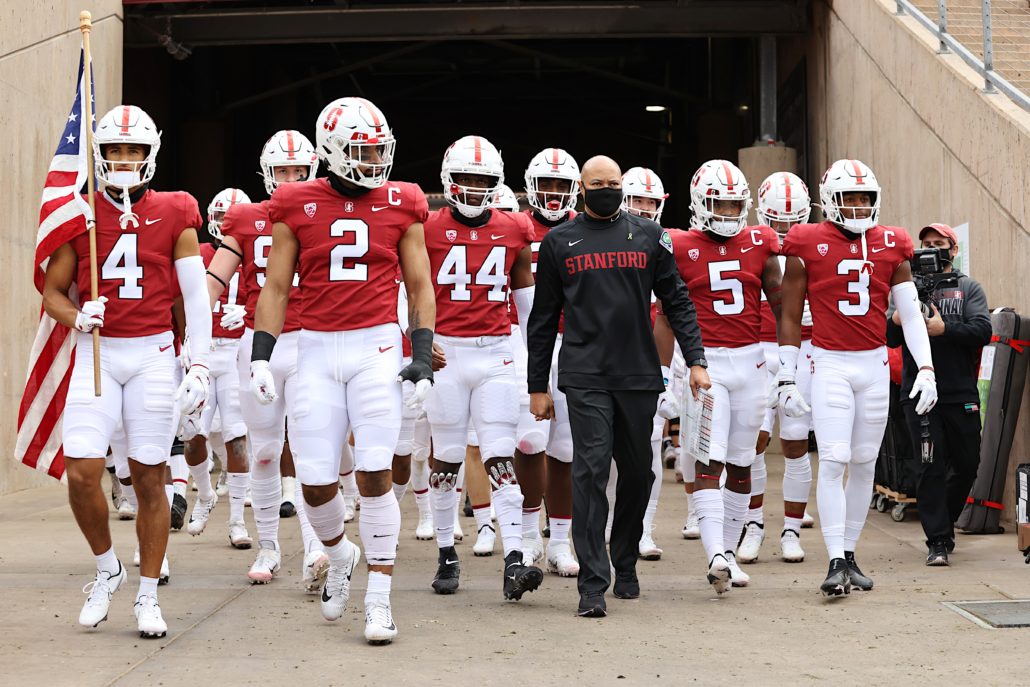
<point x="125" y="120"/>
<point x="290" y="150"/>
<point x="859" y="175"/>
<point x="376" y="122"/>
<point x="786" y="188"/>
<point x="554" y="159"/>
<point x="729" y="176"/>
<point x="647" y="179"/>
<point x="479" y="149"/>
<point x="232" y="201"/>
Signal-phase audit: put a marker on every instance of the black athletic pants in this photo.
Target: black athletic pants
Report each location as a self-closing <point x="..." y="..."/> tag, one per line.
<point x="607" y="424"/>
<point x="944" y="484"/>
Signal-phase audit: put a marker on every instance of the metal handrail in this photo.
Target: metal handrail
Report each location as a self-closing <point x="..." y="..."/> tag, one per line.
<point x="993" y="82"/>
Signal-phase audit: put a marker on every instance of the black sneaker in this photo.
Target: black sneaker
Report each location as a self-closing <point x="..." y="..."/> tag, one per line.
<point x="627" y="586"/>
<point x="838" y="579"/>
<point x="519" y="578"/>
<point x="447" y="571"/>
<point x="592" y="606"/>
<point x="178" y="511"/>
<point x="938" y="555"/>
<point x="859" y="580"/>
<point x="949" y="543"/>
<point x="287" y="509"/>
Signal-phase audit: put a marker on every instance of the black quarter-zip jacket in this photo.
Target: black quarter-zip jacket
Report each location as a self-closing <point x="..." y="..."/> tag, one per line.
<point x="602" y="274"/>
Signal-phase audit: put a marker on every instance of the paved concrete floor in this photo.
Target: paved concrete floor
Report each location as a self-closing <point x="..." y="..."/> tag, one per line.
<point x="224" y="631"/>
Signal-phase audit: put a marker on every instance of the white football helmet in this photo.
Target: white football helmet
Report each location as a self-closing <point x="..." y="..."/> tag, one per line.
<point x="849" y="176"/>
<point x="471" y="155"/>
<point x="640" y="182"/>
<point x="718" y="180"/>
<point x="783" y="197"/>
<point x="286" y="148"/>
<point x="506" y="199"/>
<point x="126" y="124"/>
<point x="355" y="142"/>
<point x="552" y="163"/>
<point x="220" y="205"/>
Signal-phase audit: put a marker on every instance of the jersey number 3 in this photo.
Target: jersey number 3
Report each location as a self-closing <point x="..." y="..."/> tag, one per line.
<point x="858" y="288"/>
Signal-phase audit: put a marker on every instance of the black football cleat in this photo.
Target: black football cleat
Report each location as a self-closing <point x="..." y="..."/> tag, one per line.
<point x="178" y="511"/>
<point x="838" y="579"/>
<point x="519" y="578"/>
<point x="447" y="571"/>
<point x="859" y="580"/>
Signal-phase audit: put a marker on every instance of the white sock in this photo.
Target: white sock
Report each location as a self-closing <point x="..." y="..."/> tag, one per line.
<point x="790" y="523"/>
<point x="378" y="587"/>
<point x="169" y="494"/>
<point x="649" y="513"/>
<point x="709" y="507"/>
<point x="326" y="520"/>
<point x="350" y="484"/>
<point x="129" y="492"/>
<point x="734" y="508"/>
<point x="560" y="528"/>
<point x="759" y="478"/>
<point x="530" y="522"/>
<point x="399" y="490"/>
<point x="108" y="562"/>
<point x="339" y="553"/>
<point x="508" y="503"/>
<point x="755" y="514"/>
<point x="690" y="504"/>
<point x="419" y="475"/>
<point x="444" y="512"/>
<point x="482" y="516"/>
<point x="857" y="492"/>
<point x="180" y="470"/>
<point x="202" y="479"/>
<point x="380" y="528"/>
<point x="829" y="493"/>
<point x="237" y="482"/>
<point x="423" y="502"/>
<point x="147" y="587"/>
<point x="266" y="496"/>
<point x="311" y="541"/>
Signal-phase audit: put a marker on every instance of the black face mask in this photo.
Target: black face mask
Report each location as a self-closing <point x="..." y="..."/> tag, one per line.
<point x="603" y="202"/>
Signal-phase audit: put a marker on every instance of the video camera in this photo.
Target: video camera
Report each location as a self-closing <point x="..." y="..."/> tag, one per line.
<point x="928" y="271"/>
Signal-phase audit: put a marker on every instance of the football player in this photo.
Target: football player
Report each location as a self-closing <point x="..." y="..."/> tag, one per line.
<point x="727" y="265"/>
<point x="145" y="241"/>
<point x="847" y="265"/>
<point x="552" y="185"/>
<point x="225" y="397"/>
<point x="783" y="201"/>
<point x="473" y="251"/>
<point x="352" y="235"/>
<point x="287" y="157"/>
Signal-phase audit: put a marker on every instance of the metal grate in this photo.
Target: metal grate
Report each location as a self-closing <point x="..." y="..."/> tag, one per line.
<point x="994" y="614"/>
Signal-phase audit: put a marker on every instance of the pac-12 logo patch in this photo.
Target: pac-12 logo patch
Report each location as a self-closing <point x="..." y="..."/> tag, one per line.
<point x="823" y="249"/>
<point x="309" y="209"/>
<point x="259" y="224"/>
<point x="694" y="254"/>
<point x="451" y="234"/>
<point x="666" y="241"/>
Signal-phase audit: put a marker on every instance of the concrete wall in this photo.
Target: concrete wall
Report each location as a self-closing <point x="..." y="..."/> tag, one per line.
<point x="39" y="52"/>
<point x="942" y="150"/>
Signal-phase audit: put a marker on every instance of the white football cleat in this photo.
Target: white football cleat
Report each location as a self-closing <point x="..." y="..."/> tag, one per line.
<point x="719" y="574"/>
<point x="751" y="543"/>
<point x="200" y="515"/>
<point x="458" y="533"/>
<point x="647" y="549"/>
<point x="691" y="528"/>
<point x="560" y="560"/>
<point x="239" y="537"/>
<point x="738" y="577"/>
<point x="125" y="509"/>
<point x="316" y="567"/>
<point x="807" y="521"/>
<point x="265" y="566"/>
<point x="336" y="590"/>
<point x="485" y="541"/>
<point x="790" y="546"/>
<point x="222" y="486"/>
<point x="148" y="617"/>
<point x="379" y="625"/>
<point x="166" y="572"/>
<point x="100" y="591"/>
<point x="424" y="530"/>
<point x="350" y="504"/>
<point x="532" y="549"/>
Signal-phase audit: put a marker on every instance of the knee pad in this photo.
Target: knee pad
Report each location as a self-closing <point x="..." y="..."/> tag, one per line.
<point x="373" y="458"/>
<point x="149" y="454"/>
<point x="532" y="439"/>
<point x="759" y="475"/>
<point x="559" y="445"/>
<point x="835" y="452"/>
<point x="406" y="438"/>
<point x="831" y="471"/>
<point x="797" y="479"/>
<point x="266" y="449"/>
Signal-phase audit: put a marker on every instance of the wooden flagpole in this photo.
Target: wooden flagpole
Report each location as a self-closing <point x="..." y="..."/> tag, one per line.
<point x="86" y="26"/>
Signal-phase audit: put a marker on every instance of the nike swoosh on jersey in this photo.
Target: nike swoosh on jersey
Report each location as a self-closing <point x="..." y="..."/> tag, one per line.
<point x="164" y="348"/>
<point x="376" y="208"/>
<point x="877" y="250"/>
<point x="384" y="349"/>
<point x="573" y="243"/>
<point x="744" y="250"/>
<point x="494" y="238"/>
<point x="760" y="364"/>
<point x="148" y="222"/>
<point x="507" y="362"/>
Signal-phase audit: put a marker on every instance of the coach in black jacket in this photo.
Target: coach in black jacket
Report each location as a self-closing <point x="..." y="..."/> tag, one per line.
<point x="601" y="268"/>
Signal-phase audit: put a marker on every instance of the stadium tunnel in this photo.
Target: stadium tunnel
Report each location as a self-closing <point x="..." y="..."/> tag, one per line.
<point x="664" y="84"/>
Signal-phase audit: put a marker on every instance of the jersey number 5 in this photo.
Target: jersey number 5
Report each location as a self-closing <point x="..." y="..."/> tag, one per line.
<point x="123" y="263"/>
<point x="734" y="286"/>
<point x="857" y="288"/>
<point x="454" y="270"/>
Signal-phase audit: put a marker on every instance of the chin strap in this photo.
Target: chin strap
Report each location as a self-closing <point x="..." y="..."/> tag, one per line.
<point x="867" y="266"/>
<point x="128" y="216"/>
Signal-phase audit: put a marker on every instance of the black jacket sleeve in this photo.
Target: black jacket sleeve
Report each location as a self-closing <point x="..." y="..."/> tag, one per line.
<point x="548" y="299"/>
<point x="676" y="303"/>
<point x="975" y="328"/>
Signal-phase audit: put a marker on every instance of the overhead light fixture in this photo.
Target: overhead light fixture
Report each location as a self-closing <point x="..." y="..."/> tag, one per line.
<point x="655" y="108"/>
<point x="744" y="108"/>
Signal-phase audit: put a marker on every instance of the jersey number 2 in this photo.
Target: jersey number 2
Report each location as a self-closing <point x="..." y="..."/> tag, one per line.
<point x="454" y="270"/>
<point x="123" y="263"/>
<point x="342" y="265"/>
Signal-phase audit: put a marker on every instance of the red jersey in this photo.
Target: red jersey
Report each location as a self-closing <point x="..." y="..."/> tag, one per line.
<point x="768" y="333"/>
<point x="349" y="262"/>
<point x="137" y="264"/>
<point x="848" y="297"/>
<point x="230" y="296"/>
<point x="725" y="281"/>
<point x="250" y="226"/>
<point x="470" y="269"/>
<point x="539" y="231"/>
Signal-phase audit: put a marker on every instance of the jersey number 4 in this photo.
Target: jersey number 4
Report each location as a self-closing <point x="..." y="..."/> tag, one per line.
<point x="123" y="263"/>
<point x="454" y="271"/>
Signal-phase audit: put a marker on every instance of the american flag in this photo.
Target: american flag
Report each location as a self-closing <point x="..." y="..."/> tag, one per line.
<point x="63" y="214"/>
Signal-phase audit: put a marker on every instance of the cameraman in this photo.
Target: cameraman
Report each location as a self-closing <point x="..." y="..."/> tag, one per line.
<point x="959" y="324"/>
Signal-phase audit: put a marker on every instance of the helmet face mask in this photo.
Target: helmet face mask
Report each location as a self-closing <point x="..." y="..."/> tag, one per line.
<point x="783" y="201"/>
<point x="284" y="150"/>
<point x="506" y="199"/>
<point x="643" y="193"/>
<point x="121" y="135"/>
<point x="720" y="198"/>
<point x="472" y="173"/>
<point x="220" y="205"/>
<point x="552" y="183"/>
<point x="850" y="196"/>
<point x="355" y="142"/>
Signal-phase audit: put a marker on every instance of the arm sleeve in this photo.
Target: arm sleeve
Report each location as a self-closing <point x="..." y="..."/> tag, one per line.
<point x="193" y="283"/>
<point x="548" y="300"/>
<point x="676" y="305"/>
<point x="975" y="328"/>
<point x="912" y="323"/>
<point x="523" y="299"/>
